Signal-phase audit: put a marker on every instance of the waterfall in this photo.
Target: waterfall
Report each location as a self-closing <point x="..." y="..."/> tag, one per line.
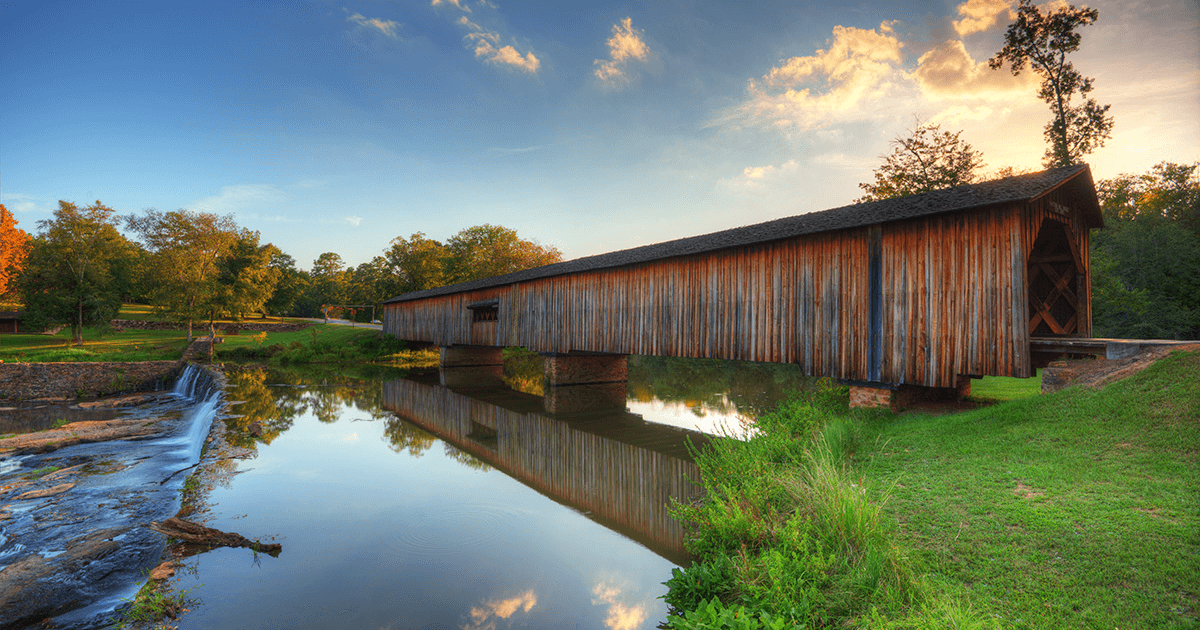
<point x="205" y="395"/>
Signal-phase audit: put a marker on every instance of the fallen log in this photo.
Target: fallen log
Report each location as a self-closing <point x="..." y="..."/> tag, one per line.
<point x="190" y="532"/>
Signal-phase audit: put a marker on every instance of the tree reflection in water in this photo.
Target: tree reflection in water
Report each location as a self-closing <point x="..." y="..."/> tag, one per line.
<point x="275" y="398"/>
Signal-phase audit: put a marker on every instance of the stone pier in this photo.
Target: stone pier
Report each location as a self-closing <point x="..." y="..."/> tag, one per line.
<point x="892" y="396"/>
<point x="585" y="382"/>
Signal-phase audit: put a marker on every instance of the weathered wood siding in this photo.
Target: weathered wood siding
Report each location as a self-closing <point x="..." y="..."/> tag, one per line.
<point x="918" y="301"/>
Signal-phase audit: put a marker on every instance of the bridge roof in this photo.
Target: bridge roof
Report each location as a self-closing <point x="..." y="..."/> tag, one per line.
<point x="1016" y="189"/>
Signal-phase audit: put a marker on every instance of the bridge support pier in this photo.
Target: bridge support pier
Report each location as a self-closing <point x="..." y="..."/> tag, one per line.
<point x="584" y="382"/>
<point x="891" y="396"/>
<point x="471" y="366"/>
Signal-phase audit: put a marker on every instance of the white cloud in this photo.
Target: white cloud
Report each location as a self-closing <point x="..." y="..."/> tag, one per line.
<point x="487" y="46"/>
<point x="624" y="46"/>
<point x="981" y="15"/>
<point x="353" y="220"/>
<point x="18" y="203"/>
<point x="239" y="197"/>
<point x="834" y="85"/>
<point x="386" y="27"/>
<point x="755" y="176"/>
<point x="455" y="3"/>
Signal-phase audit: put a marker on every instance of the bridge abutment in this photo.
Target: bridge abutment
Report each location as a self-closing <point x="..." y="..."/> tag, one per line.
<point x="470" y="356"/>
<point x="585" y="369"/>
<point x="891" y="396"/>
<point x="463" y="366"/>
<point x="585" y="382"/>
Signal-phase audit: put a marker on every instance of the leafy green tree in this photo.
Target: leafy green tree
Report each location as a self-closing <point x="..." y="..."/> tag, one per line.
<point x="489" y="250"/>
<point x="329" y="280"/>
<point x="290" y="287"/>
<point x="1043" y="40"/>
<point x="1146" y="263"/>
<point x="69" y="274"/>
<point x="929" y="159"/>
<point x="186" y="249"/>
<point x="370" y="283"/>
<point x="415" y="264"/>
<point x="246" y="279"/>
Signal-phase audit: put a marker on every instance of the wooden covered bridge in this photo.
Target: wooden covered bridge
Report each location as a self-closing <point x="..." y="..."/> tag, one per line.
<point x="908" y="295"/>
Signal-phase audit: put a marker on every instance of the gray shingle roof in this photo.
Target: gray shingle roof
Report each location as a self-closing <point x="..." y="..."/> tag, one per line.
<point x="1019" y="188"/>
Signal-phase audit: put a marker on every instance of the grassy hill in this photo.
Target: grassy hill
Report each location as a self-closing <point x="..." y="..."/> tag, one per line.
<point x="1079" y="509"/>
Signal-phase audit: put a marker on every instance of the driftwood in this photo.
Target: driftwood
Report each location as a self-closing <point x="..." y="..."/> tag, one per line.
<point x="190" y="532"/>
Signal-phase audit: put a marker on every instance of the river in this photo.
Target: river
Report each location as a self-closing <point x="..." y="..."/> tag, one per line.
<point x="404" y="504"/>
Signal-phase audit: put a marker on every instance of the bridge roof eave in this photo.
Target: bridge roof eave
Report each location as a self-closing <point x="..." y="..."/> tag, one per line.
<point x="1018" y="189"/>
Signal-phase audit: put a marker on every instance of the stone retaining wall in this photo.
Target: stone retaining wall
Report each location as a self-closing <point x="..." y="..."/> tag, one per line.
<point x="27" y="381"/>
<point x="136" y="324"/>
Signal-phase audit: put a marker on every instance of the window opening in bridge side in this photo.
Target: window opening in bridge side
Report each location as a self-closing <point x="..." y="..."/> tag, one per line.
<point x="485" y="311"/>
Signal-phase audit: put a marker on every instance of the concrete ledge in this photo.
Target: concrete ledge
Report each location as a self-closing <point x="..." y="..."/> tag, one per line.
<point x="27" y="381"/>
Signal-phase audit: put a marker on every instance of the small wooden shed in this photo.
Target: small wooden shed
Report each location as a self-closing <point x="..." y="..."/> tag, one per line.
<point x="920" y="290"/>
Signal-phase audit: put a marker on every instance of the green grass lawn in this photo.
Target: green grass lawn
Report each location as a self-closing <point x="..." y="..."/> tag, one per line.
<point x="130" y="345"/>
<point x="1079" y="509"/>
<point x="993" y="389"/>
<point x="319" y="343"/>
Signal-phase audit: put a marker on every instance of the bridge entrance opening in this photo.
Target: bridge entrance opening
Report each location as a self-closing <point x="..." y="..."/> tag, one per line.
<point x="1055" y="280"/>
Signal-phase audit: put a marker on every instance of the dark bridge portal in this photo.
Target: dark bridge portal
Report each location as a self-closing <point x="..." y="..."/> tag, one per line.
<point x="912" y="294"/>
<point x="613" y="465"/>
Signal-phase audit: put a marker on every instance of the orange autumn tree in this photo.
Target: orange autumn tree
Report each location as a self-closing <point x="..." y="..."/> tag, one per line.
<point x="14" y="247"/>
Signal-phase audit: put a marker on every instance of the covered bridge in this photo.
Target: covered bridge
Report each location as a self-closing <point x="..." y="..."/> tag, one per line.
<point x="915" y="292"/>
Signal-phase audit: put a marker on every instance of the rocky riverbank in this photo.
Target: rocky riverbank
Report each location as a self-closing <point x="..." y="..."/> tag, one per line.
<point x="76" y="502"/>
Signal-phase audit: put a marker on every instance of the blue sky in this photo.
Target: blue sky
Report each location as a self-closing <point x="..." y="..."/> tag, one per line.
<point x="587" y="126"/>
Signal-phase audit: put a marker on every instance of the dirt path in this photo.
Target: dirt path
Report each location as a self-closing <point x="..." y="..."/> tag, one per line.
<point x="1099" y="372"/>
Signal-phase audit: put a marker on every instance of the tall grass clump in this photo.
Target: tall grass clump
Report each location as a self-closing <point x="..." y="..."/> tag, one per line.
<point x="788" y="534"/>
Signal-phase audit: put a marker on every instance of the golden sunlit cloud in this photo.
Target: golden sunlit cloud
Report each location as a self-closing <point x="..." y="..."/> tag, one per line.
<point x="755" y="176"/>
<point x="484" y="616"/>
<point x="621" y="616"/>
<point x="832" y="85"/>
<point x="387" y="27"/>
<point x="949" y="71"/>
<point x="980" y="15"/>
<point x="487" y="46"/>
<point x="625" y="45"/>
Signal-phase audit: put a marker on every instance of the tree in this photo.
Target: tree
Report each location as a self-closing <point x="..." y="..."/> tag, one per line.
<point x="14" y="247"/>
<point x="415" y="264"/>
<point x="489" y="250"/>
<point x="329" y="280"/>
<point x="69" y="274"/>
<point x="186" y="249"/>
<point x="1145" y="264"/>
<point x="245" y="278"/>
<point x="929" y="159"/>
<point x="1043" y="41"/>
<point x="290" y="287"/>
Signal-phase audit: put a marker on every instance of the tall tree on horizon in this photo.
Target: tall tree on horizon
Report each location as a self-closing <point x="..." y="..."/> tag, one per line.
<point x="928" y="159"/>
<point x="186" y="248"/>
<point x="1043" y="40"/>
<point x="14" y="247"/>
<point x="69" y="274"/>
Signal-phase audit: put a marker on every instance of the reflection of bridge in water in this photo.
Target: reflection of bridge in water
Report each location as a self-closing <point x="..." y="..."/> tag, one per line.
<point x="613" y="465"/>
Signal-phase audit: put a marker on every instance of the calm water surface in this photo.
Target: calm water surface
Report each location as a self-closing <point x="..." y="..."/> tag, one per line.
<point x="404" y="504"/>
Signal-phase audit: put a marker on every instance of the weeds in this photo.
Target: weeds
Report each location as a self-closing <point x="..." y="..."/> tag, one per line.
<point x="791" y="534"/>
<point x="151" y="605"/>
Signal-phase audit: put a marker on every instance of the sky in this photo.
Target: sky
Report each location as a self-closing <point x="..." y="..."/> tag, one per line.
<point x="587" y="126"/>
